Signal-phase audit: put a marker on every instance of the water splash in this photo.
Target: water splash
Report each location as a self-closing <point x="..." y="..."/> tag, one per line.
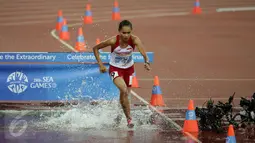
<point x="85" y="116"/>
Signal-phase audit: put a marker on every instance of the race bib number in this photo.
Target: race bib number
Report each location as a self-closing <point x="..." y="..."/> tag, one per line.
<point x="114" y="74"/>
<point x="123" y="60"/>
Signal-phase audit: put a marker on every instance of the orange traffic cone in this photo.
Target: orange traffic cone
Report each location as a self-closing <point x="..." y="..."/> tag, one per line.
<point x="87" y="19"/>
<point x="97" y="42"/>
<point x="64" y="33"/>
<point x="134" y="81"/>
<point x="80" y="42"/>
<point x="197" y="9"/>
<point x="59" y="20"/>
<point x="231" y="135"/>
<point x="190" y="123"/>
<point x="116" y="11"/>
<point x="156" y="98"/>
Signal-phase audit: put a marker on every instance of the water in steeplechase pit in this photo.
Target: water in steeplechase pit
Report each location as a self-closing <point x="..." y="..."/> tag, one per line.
<point x="86" y="122"/>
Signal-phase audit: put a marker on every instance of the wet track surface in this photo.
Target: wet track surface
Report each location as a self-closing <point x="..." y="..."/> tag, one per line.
<point x="74" y="125"/>
<point x="212" y="70"/>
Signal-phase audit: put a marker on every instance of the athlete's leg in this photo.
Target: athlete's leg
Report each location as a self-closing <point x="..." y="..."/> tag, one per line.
<point x="121" y="79"/>
<point x="119" y="116"/>
<point x="129" y="95"/>
<point x="128" y="76"/>
<point x="123" y="89"/>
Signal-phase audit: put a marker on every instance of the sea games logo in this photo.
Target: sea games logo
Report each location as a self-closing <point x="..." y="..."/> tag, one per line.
<point x="45" y="82"/>
<point x="17" y="82"/>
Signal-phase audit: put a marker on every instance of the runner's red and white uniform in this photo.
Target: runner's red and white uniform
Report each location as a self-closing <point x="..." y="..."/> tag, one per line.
<point x="121" y="61"/>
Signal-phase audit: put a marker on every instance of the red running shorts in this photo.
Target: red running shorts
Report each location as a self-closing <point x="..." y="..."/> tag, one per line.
<point x="126" y="74"/>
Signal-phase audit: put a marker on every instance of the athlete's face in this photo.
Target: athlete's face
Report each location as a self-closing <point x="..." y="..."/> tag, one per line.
<point x="125" y="33"/>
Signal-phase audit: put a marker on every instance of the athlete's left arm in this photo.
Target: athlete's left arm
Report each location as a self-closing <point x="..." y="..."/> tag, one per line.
<point x="139" y="45"/>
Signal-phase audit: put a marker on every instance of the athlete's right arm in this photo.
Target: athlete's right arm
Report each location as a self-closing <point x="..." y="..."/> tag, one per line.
<point x="102" y="45"/>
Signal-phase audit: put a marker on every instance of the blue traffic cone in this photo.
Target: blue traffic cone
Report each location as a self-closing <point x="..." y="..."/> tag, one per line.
<point x="60" y="20"/>
<point x="116" y="11"/>
<point x="64" y="33"/>
<point x="80" y="42"/>
<point x="156" y="98"/>
<point x="88" y="15"/>
<point x="190" y="123"/>
<point x="231" y="135"/>
<point x="197" y="8"/>
<point x="134" y="81"/>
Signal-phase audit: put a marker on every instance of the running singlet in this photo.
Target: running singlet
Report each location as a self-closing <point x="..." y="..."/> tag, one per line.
<point x="122" y="57"/>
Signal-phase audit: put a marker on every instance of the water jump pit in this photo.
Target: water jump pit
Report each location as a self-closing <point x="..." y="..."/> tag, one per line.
<point x="62" y="96"/>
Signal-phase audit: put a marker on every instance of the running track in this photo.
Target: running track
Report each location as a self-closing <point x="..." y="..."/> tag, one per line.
<point x="213" y="57"/>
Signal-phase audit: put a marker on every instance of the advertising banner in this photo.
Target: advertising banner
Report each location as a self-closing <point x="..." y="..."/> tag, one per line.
<point x="87" y="57"/>
<point x="65" y="76"/>
<point x="55" y="82"/>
